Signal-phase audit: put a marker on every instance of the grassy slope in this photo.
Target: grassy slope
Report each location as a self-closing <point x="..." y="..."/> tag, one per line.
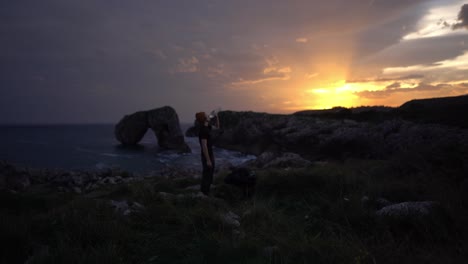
<point x="311" y="215"/>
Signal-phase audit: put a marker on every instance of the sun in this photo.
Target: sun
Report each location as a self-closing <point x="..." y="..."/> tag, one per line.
<point x="329" y="97"/>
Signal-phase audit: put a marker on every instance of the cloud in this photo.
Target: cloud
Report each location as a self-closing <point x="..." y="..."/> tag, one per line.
<point x="406" y="77"/>
<point x="187" y="65"/>
<point x="458" y="88"/>
<point x="462" y="17"/>
<point x="301" y="40"/>
<point x="157" y="53"/>
<point x="206" y="47"/>
<point x="311" y="75"/>
<point x="393" y="86"/>
<point x="272" y="72"/>
<point x="450" y="65"/>
<point x="269" y="74"/>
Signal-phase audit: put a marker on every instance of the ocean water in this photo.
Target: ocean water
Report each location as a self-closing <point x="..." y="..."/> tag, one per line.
<point x="95" y="147"/>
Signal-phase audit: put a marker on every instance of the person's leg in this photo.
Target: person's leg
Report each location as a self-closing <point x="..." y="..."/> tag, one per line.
<point x="207" y="177"/>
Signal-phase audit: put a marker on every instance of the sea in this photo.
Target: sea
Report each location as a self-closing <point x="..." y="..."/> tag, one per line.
<point x="89" y="147"/>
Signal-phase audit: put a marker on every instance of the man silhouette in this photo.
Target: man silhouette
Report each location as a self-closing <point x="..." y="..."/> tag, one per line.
<point x="207" y="157"/>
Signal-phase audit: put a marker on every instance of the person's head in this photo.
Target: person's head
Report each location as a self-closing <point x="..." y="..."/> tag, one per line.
<point x="201" y="118"/>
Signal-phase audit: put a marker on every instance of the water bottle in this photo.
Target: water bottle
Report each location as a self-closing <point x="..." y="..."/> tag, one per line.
<point x="214" y="113"/>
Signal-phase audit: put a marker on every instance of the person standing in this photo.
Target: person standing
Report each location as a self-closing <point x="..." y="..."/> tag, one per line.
<point x="207" y="157"/>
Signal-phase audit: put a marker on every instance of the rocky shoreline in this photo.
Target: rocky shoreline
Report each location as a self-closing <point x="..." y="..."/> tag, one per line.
<point x="21" y="178"/>
<point x="317" y="138"/>
<point x="17" y="179"/>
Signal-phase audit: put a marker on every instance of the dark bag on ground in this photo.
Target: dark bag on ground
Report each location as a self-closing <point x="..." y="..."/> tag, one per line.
<point x="242" y="178"/>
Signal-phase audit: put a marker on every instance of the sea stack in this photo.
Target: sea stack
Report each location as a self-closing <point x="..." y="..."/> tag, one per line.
<point x="163" y="121"/>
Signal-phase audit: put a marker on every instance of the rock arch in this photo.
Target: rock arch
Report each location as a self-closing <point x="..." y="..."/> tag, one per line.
<point x="163" y="121"/>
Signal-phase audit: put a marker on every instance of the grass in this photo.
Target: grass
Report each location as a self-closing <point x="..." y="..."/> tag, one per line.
<point x="312" y="215"/>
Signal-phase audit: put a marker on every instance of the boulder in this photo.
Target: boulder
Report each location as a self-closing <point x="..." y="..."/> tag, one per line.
<point x="125" y="207"/>
<point x="266" y="157"/>
<point x="163" y="121"/>
<point x="288" y="160"/>
<point x="231" y="219"/>
<point x="426" y="220"/>
<point x="121" y="206"/>
<point x="408" y="209"/>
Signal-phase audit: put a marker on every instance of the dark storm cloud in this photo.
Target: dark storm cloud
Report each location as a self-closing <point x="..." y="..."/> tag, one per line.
<point x="462" y="17"/>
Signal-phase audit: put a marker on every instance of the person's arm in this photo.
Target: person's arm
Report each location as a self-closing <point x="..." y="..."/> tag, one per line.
<point x="205" y="152"/>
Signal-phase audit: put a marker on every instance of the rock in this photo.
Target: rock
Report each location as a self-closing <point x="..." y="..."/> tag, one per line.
<point x="265" y="158"/>
<point x="121" y="206"/>
<point x="288" y="160"/>
<point x="77" y="180"/>
<point x="37" y="175"/>
<point x="420" y="220"/>
<point x="408" y="209"/>
<point x="131" y="129"/>
<point x="382" y="202"/>
<point x="137" y="206"/>
<point x="127" y="180"/>
<point x="231" y="219"/>
<point x="328" y="135"/>
<point x="374" y="204"/>
<point x="163" y="121"/>
<point x="18" y="182"/>
<point x="166" y="196"/>
<point x="88" y="187"/>
<point x="193" y="187"/>
<point x="62" y="178"/>
<point x="108" y="180"/>
<point x="118" y="179"/>
<point x="279" y="160"/>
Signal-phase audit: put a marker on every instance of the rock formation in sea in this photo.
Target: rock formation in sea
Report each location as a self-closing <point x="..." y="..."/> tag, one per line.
<point x="163" y="121"/>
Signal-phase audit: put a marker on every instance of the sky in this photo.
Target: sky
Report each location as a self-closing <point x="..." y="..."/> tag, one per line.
<point x="70" y="61"/>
